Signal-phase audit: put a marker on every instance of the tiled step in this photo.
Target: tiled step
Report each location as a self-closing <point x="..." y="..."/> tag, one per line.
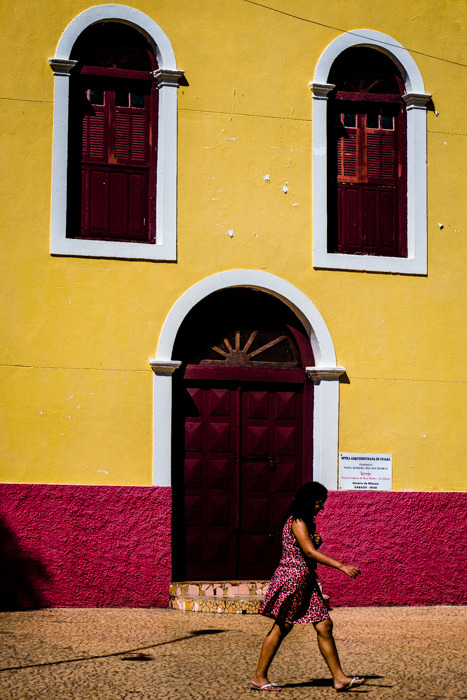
<point x="241" y="597"/>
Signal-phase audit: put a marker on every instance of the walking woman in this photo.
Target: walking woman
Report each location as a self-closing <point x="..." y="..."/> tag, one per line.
<point x="293" y="596"/>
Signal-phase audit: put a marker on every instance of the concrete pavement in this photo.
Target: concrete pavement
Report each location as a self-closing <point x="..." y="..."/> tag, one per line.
<point x="77" y="654"/>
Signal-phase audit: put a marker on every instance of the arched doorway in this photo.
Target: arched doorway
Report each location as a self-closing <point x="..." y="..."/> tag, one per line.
<point x="242" y="433"/>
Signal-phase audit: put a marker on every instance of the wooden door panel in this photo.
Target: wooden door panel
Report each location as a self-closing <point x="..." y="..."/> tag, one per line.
<point x="286" y="441"/>
<point x="193" y="503"/>
<point x="219" y="402"/>
<point x="217" y="510"/>
<point x="286" y="405"/>
<point x="259" y="554"/>
<point x="219" y="474"/>
<point x="193" y="548"/>
<point x="95" y="198"/>
<point x="255" y="475"/>
<point x="388" y="219"/>
<point x="195" y="406"/>
<point x="271" y="461"/>
<point x="256" y="404"/>
<point x="217" y="550"/>
<point x="257" y="440"/>
<point x="117" y="203"/>
<point x="193" y="473"/>
<point x="210" y="440"/>
<point x="218" y="437"/>
<point x="285" y="478"/>
<point x="368" y="201"/>
<point x="137" y="198"/>
<point x="193" y="436"/>
<point x="256" y="512"/>
<point x="349" y="215"/>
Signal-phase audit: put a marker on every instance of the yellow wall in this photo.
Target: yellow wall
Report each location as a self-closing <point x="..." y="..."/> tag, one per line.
<point x="78" y="333"/>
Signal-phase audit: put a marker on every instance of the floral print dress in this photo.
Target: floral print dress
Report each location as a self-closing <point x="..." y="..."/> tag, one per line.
<point x="293" y="595"/>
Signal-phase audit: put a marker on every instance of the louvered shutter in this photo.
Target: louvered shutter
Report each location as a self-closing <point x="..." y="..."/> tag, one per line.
<point x="131" y="137"/>
<point x="347" y="155"/>
<point x="381" y="157"/>
<point x="94" y="156"/>
<point x="370" y="180"/>
<point x="117" y="166"/>
<point x="93" y="142"/>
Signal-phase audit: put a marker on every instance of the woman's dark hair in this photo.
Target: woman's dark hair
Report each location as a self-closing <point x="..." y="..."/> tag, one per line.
<point x="303" y="504"/>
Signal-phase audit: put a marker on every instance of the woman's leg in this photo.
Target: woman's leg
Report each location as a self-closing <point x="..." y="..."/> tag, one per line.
<point x="328" y="649"/>
<point x="270" y="646"/>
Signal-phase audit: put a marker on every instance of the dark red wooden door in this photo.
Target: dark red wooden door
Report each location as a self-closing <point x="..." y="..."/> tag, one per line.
<point x="243" y="464"/>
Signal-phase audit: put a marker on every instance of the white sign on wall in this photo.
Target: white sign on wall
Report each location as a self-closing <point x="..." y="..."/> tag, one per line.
<point x="359" y="472"/>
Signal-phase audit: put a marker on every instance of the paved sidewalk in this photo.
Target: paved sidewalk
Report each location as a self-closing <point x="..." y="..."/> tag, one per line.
<point x="406" y="653"/>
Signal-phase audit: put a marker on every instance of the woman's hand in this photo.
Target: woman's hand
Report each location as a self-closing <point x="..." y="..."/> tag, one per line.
<point x="317" y="540"/>
<point x="351" y="571"/>
<point x="308" y="546"/>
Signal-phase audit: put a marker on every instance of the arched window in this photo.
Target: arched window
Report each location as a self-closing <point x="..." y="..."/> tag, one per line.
<point x="114" y="168"/>
<point x="113" y="136"/>
<point x="369" y="157"/>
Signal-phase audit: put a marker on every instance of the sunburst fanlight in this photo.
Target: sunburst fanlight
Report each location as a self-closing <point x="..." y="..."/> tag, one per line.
<point x="243" y="349"/>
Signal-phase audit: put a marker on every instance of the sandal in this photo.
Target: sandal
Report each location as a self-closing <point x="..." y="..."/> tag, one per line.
<point x="266" y="686"/>
<point x="353" y="683"/>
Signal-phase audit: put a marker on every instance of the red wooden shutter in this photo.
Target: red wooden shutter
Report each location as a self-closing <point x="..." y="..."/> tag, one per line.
<point x="93" y="143"/>
<point x="370" y="171"/>
<point x="347" y="155"/>
<point x="131" y="136"/>
<point x="117" y="165"/>
<point x="94" y="151"/>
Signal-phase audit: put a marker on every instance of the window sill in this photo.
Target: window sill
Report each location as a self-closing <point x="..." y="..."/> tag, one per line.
<point x="118" y="250"/>
<point x="369" y="263"/>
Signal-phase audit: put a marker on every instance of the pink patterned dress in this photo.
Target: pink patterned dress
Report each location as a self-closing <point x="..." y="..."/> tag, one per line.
<point x="293" y="595"/>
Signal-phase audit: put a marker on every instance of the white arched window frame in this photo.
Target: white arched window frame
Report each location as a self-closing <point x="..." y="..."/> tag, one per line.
<point x="416" y="100"/>
<point x="167" y="77"/>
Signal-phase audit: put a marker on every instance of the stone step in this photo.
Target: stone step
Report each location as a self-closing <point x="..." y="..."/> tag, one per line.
<point x="241" y="597"/>
<point x="219" y="588"/>
<point x="242" y="605"/>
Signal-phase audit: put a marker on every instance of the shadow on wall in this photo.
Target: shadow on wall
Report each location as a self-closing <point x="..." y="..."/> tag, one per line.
<point x="22" y="575"/>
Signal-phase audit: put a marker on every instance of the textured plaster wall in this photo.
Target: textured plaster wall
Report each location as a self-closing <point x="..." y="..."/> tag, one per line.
<point x="409" y="546"/>
<point x="85" y="546"/>
<point x="90" y="546"/>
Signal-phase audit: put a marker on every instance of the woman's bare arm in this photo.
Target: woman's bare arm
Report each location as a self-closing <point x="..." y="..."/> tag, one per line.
<point x="308" y="548"/>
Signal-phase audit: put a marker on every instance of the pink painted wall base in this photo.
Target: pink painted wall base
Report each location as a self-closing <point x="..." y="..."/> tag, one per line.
<point x="408" y="545"/>
<point x="84" y="546"/>
<point x="93" y="546"/>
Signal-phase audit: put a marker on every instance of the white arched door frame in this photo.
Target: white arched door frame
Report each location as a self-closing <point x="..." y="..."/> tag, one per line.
<point x="325" y="374"/>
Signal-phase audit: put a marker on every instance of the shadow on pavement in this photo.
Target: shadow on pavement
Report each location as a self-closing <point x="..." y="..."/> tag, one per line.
<point x="327" y="683"/>
<point x="148" y="657"/>
<point x="137" y="657"/>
